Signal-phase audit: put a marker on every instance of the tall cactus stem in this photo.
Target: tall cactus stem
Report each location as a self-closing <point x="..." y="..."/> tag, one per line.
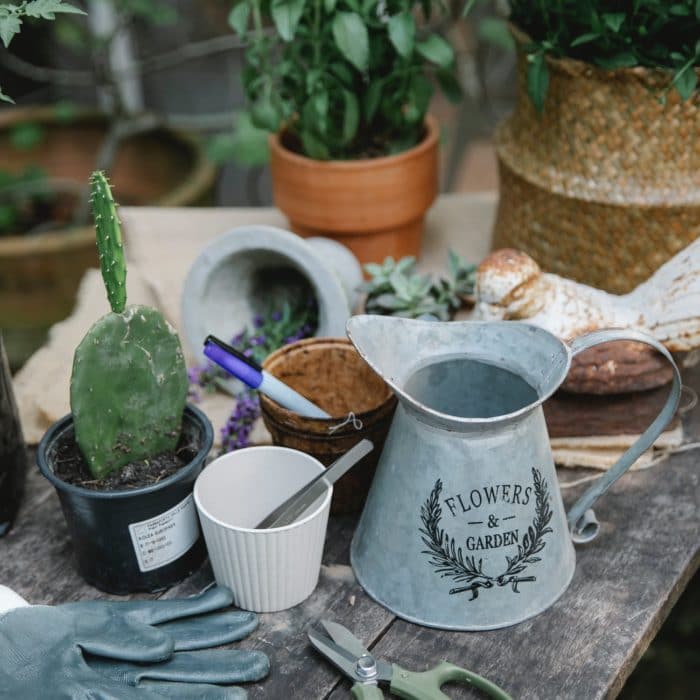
<point x="109" y="241"/>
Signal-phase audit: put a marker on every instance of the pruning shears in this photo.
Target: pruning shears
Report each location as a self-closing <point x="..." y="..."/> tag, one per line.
<point x="345" y="651"/>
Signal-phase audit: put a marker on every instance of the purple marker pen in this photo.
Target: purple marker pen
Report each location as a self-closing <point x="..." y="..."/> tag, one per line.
<point x="252" y="374"/>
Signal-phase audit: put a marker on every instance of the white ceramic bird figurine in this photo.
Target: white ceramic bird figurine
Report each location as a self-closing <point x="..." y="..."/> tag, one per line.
<point x="510" y="285"/>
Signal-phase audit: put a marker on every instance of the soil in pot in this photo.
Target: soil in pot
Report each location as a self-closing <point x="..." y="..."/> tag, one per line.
<point x="71" y="467"/>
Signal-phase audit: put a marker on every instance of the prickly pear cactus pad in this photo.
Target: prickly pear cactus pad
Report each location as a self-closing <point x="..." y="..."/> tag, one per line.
<point x="129" y="382"/>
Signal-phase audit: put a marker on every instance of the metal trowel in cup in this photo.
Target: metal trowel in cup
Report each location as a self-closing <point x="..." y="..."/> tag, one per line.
<point x="296" y="504"/>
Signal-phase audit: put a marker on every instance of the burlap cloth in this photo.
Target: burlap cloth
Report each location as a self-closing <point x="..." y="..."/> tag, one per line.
<point x="162" y="243"/>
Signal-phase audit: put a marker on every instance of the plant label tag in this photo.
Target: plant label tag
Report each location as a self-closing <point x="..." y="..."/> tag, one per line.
<point x="165" y="537"/>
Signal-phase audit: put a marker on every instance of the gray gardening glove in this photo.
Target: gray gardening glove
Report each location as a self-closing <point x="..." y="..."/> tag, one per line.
<point x="105" y="650"/>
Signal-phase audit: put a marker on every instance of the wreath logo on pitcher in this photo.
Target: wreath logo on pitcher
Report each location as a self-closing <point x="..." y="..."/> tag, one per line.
<point x="449" y="562"/>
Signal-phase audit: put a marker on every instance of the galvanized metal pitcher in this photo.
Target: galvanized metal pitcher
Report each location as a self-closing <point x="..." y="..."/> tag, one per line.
<point x="464" y="527"/>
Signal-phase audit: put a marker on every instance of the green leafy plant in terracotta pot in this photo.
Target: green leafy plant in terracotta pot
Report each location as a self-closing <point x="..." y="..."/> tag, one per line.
<point x="344" y="88"/>
<point x="600" y="161"/>
<point x="124" y="462"/>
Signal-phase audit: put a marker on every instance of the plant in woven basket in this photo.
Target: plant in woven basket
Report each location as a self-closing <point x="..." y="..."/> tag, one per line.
<point x="347" y="79"/>
<point x="129" y="383"/>
<point x="648" y="33"/>
<point x="396" y="289"/>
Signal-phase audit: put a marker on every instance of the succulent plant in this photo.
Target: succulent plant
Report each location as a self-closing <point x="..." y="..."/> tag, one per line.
<point x="396" y="289"/>
<point x="129" y="382"/>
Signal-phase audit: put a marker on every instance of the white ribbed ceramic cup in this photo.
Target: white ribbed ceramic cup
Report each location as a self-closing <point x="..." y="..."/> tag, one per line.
<point x="267" y="570"/>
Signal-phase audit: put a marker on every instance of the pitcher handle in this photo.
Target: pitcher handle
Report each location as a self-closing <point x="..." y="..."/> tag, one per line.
<point x="582" y="522"/>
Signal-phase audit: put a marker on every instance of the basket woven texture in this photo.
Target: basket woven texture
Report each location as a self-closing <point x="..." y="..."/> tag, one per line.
<point x="604" y="185"/>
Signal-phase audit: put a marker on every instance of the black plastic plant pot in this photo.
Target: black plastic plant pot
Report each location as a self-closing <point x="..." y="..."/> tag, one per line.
<point x="142" y="539"/>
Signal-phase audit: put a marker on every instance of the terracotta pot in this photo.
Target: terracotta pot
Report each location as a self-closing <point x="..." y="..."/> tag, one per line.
<point x="331" y="373"/>
<point x="604" y="185"/>
<point x="374" y="206"/>
<point x="39" y="274"/>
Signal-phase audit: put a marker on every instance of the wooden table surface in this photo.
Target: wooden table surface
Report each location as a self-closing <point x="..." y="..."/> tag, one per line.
<point x="585" y="646"/>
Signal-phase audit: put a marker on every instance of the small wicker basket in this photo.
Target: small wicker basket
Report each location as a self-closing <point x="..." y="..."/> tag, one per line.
<point x="604" y="185"/>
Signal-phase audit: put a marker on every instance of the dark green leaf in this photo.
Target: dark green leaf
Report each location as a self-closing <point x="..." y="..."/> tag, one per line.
<point x="342" y="72"/>
<point x="468" y="6"/>
<point x="264" y="114"/>
<point x="9" y="26"/>
<point x="614" y="20"/>
<point x="537" y="79"/>
<point x="680" y="10"/>
<point x="351" y="38"/>
<point x="47" y="9"/>
<point x="686" y="81"/>
<point x="436" y="50"/>
<point x="449" y="85"/>
<point x="372" y="97"/>
<point x="402" y="32"/>
<point x="314" y="148"/>
<point x="624" y="59"/>
<point x="238" y="18"/>
<point x="421" y="90"/>
<point x="351" y="116"/>
<point x="8" y="218"/>
<point x="585" y="39"/>
<point x="286" y="15"/>
<point x="697" y="9"/>
<point x="329" y="5"/>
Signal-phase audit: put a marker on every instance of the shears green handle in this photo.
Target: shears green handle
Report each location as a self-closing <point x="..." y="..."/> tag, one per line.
<point x="426" y="685"/>
<point x="364" y="691"/>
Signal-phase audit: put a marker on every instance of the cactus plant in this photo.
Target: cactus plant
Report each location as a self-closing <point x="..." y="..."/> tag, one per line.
<point x="129" y="381"/>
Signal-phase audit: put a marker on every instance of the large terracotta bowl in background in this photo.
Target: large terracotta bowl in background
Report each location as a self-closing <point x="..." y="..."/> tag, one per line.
<point x="40" y="273"/>
<point x="331" y="373"/>
<point x="374" y="206"/>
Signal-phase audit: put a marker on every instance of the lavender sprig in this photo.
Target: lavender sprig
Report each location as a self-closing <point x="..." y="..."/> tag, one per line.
<point x="235" y="433"/>
<point x="268" y="333"/>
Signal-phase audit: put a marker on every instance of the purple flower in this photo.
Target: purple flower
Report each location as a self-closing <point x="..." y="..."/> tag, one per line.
<point x="235" y="434"/>
<point x="276" y="316"/>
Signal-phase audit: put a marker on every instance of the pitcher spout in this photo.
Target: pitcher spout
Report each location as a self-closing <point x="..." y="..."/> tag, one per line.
<point x="463" y="373"/>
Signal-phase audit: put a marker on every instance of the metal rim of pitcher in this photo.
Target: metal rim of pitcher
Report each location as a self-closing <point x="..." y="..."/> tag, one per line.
<point x="463" y="420"/>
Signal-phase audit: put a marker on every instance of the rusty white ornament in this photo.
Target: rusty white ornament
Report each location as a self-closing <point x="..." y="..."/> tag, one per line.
<point x="510" y="285"/>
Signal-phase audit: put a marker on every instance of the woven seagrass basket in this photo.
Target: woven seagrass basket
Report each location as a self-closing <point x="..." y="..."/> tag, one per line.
<point x="604" y="185"/>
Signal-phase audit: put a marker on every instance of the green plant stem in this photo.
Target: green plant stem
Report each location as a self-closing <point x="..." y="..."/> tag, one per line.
<point x="317" y="31"/>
